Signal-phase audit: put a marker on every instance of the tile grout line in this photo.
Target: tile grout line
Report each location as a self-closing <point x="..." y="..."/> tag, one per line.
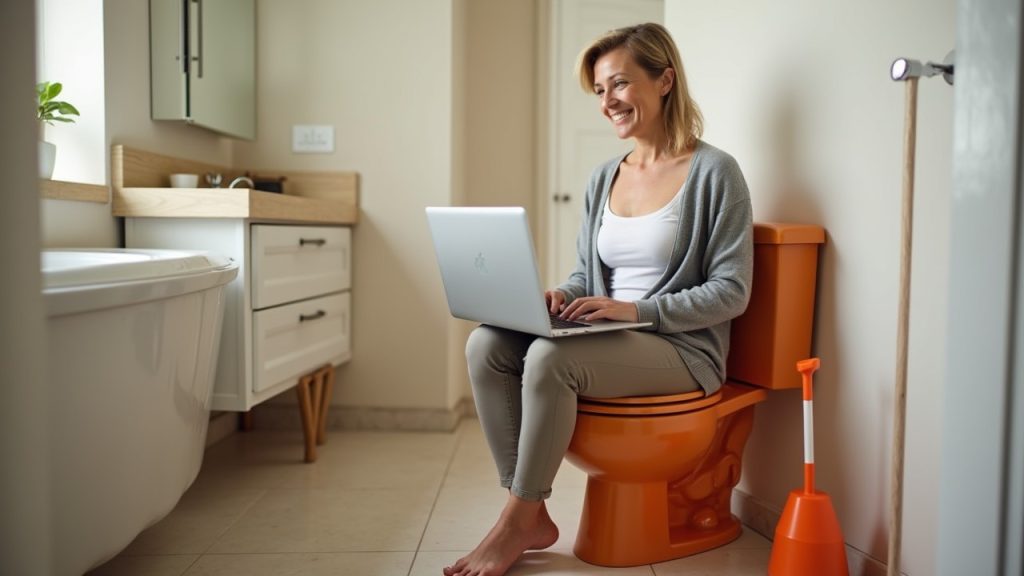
<point x="206" y="550"/>
<point x="189" y="567"/>
<point x="437" y="496"/>
<point x="263" y="494"/>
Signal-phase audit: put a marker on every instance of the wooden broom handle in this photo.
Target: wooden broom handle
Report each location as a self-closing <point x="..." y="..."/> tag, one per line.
<point x="900" y="394"/>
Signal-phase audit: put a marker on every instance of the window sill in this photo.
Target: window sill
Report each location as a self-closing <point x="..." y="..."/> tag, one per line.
<point x="75" y="191"/>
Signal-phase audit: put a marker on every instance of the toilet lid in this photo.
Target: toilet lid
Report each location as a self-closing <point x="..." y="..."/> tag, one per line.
<point x="648" y="405"/>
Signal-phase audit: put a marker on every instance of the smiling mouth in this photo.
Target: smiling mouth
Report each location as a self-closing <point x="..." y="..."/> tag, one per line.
<point x="620" y="116"/>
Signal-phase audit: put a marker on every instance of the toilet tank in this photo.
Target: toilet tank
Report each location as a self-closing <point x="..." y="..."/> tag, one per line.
<point x="775" y="331"/>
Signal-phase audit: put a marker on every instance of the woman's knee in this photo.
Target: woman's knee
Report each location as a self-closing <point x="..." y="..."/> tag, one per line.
<point x="482" y="342"/>
<point x="548" y="360"/>
<point x="493" y="348"/>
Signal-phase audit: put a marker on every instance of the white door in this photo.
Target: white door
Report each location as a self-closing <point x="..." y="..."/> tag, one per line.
<point x="581" y="138"/>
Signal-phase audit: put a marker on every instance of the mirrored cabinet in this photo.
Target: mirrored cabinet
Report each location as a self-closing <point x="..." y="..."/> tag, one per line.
<point x="203" y="64"/>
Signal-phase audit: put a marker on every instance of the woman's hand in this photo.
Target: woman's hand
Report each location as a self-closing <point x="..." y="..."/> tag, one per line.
<point x="555" y="300"/>
<point x="590" y="308"/>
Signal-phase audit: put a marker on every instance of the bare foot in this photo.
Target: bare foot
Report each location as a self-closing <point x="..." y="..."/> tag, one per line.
<point x="522" y="526"/>
<point x="547" y="525"/>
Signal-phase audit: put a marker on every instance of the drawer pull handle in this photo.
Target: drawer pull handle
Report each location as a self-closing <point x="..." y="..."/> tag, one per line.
<point x="313" y="241"/>
<point x="319" y="314"/>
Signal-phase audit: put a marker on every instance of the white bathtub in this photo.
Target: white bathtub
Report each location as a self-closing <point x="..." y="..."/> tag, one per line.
<point x="132" y="341"/>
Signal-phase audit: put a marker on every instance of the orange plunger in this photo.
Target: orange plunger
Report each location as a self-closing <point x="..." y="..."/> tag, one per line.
<point x="808" y="540"/>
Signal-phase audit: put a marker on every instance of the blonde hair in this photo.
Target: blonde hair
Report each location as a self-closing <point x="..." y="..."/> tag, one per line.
<point x="653" y="49"/>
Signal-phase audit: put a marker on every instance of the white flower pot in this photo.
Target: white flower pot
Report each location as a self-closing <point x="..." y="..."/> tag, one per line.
<point x="47" y="156"/>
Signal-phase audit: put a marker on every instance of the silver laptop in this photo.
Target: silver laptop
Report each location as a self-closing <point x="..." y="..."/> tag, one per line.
<point x="490" y="274"/>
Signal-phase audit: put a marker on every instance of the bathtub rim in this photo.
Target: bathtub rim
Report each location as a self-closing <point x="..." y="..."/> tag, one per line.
<point x="166" y="274"/>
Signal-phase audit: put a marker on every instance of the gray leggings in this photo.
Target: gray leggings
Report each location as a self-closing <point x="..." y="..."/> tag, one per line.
<point x="525" y="390"/>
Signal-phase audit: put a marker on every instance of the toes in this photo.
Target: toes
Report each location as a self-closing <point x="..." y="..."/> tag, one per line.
<point x="456" y="569"/>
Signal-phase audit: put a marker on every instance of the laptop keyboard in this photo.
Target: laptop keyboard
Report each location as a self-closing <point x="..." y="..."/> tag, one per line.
<point x="557" y="322"/>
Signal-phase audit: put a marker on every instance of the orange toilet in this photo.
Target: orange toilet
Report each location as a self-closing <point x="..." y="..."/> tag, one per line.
<point x="661" y="469"/>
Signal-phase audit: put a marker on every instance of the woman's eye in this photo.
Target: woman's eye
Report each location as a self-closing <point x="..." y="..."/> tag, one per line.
<point x="620" y="83"/>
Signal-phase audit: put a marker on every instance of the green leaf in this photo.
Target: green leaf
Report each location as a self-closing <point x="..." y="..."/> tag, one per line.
<point x="66" y="108"/>
<point x="49" y="110"/>
<point x="53" y="90"/>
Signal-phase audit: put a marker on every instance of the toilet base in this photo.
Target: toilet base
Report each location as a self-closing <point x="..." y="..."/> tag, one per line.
<point x="627" y="524"/>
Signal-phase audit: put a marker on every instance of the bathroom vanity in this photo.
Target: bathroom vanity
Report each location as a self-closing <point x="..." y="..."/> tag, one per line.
<point x="289" y="310"/>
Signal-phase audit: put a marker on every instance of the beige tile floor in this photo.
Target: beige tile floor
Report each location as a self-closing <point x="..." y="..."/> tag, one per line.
<point x="374" y="504"/>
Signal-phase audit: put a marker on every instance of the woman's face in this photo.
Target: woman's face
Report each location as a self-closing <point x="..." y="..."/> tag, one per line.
<point x="630" y="98"/>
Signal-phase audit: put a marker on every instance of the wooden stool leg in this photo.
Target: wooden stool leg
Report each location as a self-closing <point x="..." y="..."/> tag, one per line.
<point x="318" y="394"/>
<point x="325" y="401"/>
<point x="306" y="411"/>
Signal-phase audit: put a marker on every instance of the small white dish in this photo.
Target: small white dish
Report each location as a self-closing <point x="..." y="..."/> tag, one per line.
<point x="184" y="180"/>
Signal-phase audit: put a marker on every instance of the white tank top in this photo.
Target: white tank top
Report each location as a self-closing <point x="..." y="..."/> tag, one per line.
<point x="637" y="249"/>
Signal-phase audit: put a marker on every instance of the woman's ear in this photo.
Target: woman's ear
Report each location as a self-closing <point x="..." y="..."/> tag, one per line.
<point x="668" y="78"/>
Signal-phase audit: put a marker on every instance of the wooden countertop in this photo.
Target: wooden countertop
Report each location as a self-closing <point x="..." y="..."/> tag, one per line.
<point x="229" y="203"/>
<point x="139" y="190"/>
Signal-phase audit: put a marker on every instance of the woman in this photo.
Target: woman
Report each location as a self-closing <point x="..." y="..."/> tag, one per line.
<point x="666" y="238"/>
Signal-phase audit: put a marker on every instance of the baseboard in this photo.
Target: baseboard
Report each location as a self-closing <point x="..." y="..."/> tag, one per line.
<point x="222" y="425"/>
<point x="762" y="518"/>
<point x="468" y="408"/>
<point x="283" y="416"/>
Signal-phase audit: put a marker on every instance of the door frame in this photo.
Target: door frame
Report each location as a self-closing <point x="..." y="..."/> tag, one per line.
<point x="981" y="496"/>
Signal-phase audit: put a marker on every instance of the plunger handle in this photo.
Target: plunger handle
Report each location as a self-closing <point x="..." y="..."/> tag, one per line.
<point x="903" y="330"/>
<point x="807" y="369"/>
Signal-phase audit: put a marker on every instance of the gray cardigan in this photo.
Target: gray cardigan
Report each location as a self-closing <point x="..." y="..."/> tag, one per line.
<point x="707" y="281"/>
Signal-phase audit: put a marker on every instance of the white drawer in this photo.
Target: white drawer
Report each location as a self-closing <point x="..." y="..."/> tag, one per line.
<point x="292" y="263"/>
<point x="291" y="340"/>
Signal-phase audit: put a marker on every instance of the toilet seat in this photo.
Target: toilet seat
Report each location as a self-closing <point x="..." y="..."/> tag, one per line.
<point x="731" y="396"/>
<point x="648" y="405"/>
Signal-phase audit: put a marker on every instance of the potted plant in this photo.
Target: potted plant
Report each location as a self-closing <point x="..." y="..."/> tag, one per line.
<point x="49" y="111"/>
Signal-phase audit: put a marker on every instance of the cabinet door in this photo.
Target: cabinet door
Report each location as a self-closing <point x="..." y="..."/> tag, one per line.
<point x="168" y="54"/>
<point x="222" y="71"/>
<point x="203" y="63"/>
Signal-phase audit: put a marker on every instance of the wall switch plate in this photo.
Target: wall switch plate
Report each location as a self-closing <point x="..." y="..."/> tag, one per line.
<point x="312" y="138"/>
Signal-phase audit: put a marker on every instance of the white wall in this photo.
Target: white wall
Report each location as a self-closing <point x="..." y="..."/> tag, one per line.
<point x="126" y="54"/>
<point x="432" y="104"/>
<point x="500" y="127"/>
<point x="501" y="93"/>
<point x="798" y="91"/>
<point x="70" y="51"/>
<point x="100" y="51"/>
<point x="380" y="72"/>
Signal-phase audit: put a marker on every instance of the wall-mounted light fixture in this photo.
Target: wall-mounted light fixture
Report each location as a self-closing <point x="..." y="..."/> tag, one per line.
<point x="905" y="68"/>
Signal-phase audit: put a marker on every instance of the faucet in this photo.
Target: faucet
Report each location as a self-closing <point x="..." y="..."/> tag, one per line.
<point x="243" y="180"/>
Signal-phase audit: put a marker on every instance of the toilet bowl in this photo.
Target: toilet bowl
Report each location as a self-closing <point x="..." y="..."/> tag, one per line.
<point x="661" y="469"/>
